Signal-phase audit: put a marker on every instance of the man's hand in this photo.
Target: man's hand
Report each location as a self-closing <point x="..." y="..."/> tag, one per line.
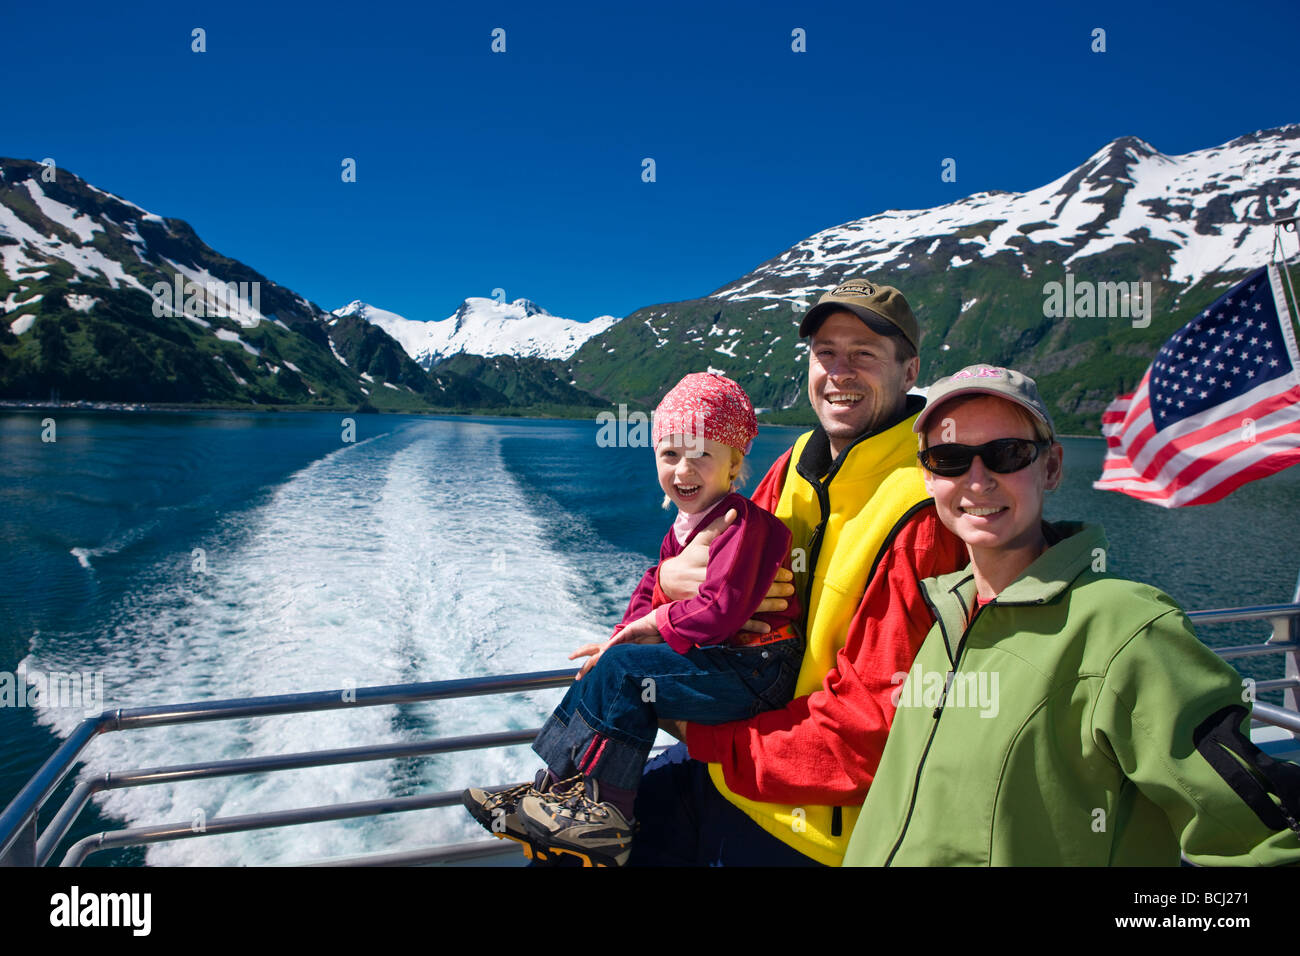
<point x="774" y="601"/>
<point x="680" y="577"/>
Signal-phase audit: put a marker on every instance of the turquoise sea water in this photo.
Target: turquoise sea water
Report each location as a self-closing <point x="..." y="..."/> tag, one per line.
<point x="182" y="556"/>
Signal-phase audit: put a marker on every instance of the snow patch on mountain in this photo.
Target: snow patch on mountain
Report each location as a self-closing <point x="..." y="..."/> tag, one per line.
<point x="227" y="336"/>
<point x="29" y="244"/>
<point x="11" y="301"/>
<point x="484" y="327"/>
<point x="145" y="214"/>
<point x="232" y="372"/>
<point x="29" y="249"/>
<point x="342" y="360"/>
<point x="81" y="225"/>
<point x="215" y="296"/>
<point x="81" y="303"/>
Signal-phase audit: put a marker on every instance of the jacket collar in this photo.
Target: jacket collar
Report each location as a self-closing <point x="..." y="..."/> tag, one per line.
<point x="818" y="466"/>
<point x="1055" y="569"/>
<point x="1046" y="579"/>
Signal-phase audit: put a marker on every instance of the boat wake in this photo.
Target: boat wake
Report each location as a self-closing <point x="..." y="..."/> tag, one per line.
<point x="414" y="556"/>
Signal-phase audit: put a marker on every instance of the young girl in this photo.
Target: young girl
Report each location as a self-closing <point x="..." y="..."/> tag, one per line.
<point x="683" y="660"/>
<point x="1056" y="715"/>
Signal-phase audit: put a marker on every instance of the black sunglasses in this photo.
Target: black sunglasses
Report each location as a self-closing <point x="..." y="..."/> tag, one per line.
<point x="1003" y="456"/>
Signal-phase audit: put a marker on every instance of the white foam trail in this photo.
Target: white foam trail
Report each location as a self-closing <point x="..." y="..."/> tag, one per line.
<point x="129" y="537"/>
<point x="414" y="556"/>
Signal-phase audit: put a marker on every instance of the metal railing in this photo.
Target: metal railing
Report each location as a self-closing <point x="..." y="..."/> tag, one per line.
<point x="22" y="844"/>
<point x="1285" y="639"/>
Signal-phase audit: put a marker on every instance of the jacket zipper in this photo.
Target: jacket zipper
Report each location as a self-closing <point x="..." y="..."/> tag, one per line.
<point x="815" y="539"/>
<point x="938" y="711"/>
<point x="815" y="547"/>
<point x="822" y="487"/>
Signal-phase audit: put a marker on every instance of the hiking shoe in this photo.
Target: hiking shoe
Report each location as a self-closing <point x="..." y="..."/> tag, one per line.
<point x="579" y="824"/>
<point x="497" y="811"/>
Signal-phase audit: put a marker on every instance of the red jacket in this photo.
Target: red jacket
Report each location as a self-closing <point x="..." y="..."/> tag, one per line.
<point x="824" y="748"/>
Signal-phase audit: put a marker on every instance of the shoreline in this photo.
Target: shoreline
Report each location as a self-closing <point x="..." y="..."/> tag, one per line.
<point x="145" y="407"/>
<point x="141" y="407"/>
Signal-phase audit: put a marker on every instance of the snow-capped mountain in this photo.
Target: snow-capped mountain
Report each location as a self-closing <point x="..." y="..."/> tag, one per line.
<point x="103" y="300"/>
<point x="53" y="223"/>
<point x="976" y="273"/>
<point x="485" y="327"/>
<point x="1208" y="210"/>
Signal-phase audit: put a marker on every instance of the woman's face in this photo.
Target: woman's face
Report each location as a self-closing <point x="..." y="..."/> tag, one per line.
<point x="990" y="511"/>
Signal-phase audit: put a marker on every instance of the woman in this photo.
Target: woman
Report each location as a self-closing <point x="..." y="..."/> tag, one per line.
<point x="1056" y="715"/>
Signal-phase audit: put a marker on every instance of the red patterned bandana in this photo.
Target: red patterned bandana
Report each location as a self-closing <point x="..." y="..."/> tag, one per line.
<point x="709" y="405"/>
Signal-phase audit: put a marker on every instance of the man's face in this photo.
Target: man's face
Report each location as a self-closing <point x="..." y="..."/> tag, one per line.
<point x="856" y="383"/>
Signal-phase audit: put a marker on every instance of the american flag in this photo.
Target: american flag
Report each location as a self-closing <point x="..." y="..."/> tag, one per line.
<point x="1219" y="406"/>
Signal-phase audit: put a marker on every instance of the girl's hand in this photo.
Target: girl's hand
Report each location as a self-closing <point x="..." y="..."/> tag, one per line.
<point x="592" y="652"/>
<point x="640" y="631"/>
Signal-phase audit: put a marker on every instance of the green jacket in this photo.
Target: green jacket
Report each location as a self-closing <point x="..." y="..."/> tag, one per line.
<point x="1081" y="728"/>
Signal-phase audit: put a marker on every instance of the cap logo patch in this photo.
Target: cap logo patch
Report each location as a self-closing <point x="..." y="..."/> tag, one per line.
<point x="983" y="371"/>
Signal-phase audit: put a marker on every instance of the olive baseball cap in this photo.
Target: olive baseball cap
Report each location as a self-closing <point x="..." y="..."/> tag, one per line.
<point x="867" y="301"/>
<point x="987" y="380"/>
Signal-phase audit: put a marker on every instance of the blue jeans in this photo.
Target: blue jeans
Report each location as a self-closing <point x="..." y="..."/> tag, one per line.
<point x="607" y="722"/>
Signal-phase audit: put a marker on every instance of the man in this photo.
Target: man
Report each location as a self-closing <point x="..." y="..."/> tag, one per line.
<point x="784" y="787"/>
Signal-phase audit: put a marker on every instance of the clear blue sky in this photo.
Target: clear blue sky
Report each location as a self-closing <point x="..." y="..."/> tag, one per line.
<point x="522" y="170"/>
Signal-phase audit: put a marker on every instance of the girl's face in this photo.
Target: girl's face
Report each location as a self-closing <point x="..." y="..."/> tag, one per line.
<point x="695" y="473"/>
<point x="987" y="510"/>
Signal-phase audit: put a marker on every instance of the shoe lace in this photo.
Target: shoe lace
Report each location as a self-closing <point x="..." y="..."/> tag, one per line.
<point x="510" y="793"/>
<point x="568" y="786"/>
<point x="579" y="800"/>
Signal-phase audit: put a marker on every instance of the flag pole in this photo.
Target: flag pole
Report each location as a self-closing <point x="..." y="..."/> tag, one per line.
<point x="1290" y="224"/>
<point x="1280" y="226"/>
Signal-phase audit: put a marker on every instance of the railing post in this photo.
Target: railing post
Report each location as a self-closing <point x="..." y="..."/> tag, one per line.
<point x="1285" y="629"/>
<point x="23" y="850"/>
<point x="1291" y="696"/>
